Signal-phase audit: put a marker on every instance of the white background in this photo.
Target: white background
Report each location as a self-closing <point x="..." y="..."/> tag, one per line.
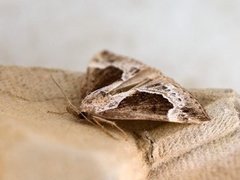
<point x="197" y="42"/>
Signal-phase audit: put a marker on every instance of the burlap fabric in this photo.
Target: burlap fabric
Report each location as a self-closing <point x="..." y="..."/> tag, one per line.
<point x="37" y="144"/>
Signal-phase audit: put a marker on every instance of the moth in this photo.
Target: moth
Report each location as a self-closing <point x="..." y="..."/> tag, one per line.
<point x="119" y="88"/>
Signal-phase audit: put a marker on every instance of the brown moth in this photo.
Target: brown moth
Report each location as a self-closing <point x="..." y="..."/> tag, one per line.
<point x="121" y="88"/>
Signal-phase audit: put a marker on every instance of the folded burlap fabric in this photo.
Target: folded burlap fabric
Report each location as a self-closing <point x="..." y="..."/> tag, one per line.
<point x="38" y="144"/>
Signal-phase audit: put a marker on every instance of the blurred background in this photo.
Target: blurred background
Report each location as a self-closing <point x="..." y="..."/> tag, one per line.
<point x="197" y="42"/>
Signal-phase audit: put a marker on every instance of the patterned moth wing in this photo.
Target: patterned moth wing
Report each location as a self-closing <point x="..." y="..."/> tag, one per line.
<point x="121" y="88"/>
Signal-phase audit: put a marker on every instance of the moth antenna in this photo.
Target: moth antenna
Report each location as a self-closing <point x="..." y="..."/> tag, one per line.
<point x="61" y="89"/>
<point x="71" y="108"/>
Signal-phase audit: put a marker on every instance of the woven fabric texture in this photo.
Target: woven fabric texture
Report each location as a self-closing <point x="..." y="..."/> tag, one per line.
<point x="37" y="143"/>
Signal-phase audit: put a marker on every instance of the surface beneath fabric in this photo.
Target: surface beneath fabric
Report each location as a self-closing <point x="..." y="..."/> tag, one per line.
<point x="39" y="144"/>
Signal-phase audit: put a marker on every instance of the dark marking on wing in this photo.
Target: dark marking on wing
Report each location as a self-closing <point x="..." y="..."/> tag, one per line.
<point x="147" y="105"/>
<point x="105" y="77"/>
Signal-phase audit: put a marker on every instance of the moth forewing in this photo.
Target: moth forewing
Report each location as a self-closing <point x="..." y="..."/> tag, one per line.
<point x="125" y="89"/>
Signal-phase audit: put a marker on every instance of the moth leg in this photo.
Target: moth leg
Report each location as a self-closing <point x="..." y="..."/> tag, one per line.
<point x="103" y="128"/>
<point x="112" y="124"/>
<point x="88" y="120"/>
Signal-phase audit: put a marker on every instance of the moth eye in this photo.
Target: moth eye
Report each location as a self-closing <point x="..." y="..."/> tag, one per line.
<point x="179" y="99"/>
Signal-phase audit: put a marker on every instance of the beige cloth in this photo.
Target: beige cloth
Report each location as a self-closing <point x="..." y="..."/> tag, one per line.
<point x="36" y="144"/>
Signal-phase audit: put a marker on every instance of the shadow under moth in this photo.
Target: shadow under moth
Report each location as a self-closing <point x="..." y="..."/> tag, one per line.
<point x="119" y="88"/>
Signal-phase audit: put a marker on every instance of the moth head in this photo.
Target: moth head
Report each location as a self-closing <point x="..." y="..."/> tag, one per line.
<point x="97" y="101"/>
